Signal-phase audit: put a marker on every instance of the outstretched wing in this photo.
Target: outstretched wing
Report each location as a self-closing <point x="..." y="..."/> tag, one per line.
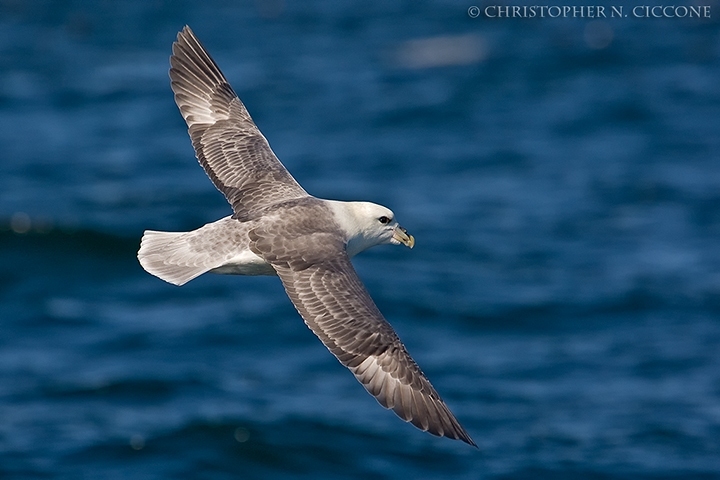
<point x="324" y="287"/>
<point x="228" y="144"/>
<point x="336" y="306"/>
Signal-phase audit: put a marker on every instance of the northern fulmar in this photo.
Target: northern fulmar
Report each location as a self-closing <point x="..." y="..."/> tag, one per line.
<point x="277" y="228"/>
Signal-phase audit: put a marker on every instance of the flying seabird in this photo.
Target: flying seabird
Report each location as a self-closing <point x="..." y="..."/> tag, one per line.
<point x="277" y="228"/>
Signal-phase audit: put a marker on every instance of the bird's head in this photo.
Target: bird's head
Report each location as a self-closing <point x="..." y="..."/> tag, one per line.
<point x="368" y="224"/>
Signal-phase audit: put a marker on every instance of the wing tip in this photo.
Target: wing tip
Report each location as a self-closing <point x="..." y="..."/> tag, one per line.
<point x="185" y="35"/>
<point x="449" y="426"/>
<point x="453" y="431"/>
<point x="421" y="407"/>
<point x="462" y="435"/>
<point x="202" y="93"/>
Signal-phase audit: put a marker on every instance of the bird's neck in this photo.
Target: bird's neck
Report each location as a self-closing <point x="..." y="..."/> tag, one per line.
<point x="347" y="217"/>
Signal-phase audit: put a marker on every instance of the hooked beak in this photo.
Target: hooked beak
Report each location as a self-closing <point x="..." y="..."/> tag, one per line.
<point x="401" y="235"/>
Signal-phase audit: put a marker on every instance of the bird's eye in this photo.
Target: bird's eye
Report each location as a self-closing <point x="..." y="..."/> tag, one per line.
<point x="384" y="220"/>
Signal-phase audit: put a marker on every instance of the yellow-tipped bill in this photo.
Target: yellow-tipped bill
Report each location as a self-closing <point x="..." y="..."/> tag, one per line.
<point x="401" y="235"/>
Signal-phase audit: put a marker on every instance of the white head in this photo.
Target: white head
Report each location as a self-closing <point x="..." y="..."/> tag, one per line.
<point x="368" y="224"/>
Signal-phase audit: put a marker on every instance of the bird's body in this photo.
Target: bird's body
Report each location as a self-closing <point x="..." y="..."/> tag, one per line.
<point x="279" y="229"/>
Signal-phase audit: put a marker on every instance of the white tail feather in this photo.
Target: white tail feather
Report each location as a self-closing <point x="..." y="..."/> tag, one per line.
<point x="167" y="255"/>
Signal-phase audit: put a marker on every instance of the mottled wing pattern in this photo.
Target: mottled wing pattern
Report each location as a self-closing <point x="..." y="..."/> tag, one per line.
<point x="325" y="289"/>
<point x="228" y="144"/>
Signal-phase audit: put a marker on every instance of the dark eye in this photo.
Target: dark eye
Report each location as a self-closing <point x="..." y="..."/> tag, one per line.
<point x="384" y="220"/>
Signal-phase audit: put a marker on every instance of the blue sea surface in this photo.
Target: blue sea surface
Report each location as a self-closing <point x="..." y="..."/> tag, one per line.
<point x="561" y="177"/>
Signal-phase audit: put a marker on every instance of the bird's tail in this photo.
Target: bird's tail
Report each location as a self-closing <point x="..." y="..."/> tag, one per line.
<point x="168" y="256"/>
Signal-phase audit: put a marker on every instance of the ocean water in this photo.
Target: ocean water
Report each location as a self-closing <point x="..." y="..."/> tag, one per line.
<point x="561" y="177"/>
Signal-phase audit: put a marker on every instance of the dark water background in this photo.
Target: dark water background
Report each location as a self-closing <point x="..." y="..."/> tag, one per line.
<point x="562" y="178"/>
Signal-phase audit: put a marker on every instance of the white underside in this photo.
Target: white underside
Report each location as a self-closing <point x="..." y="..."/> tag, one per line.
<point x="245" y="263"/>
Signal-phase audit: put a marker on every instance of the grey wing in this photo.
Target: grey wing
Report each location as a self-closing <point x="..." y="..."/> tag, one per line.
<point x="229" y="146"/>
<point x="336" y="306"/>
